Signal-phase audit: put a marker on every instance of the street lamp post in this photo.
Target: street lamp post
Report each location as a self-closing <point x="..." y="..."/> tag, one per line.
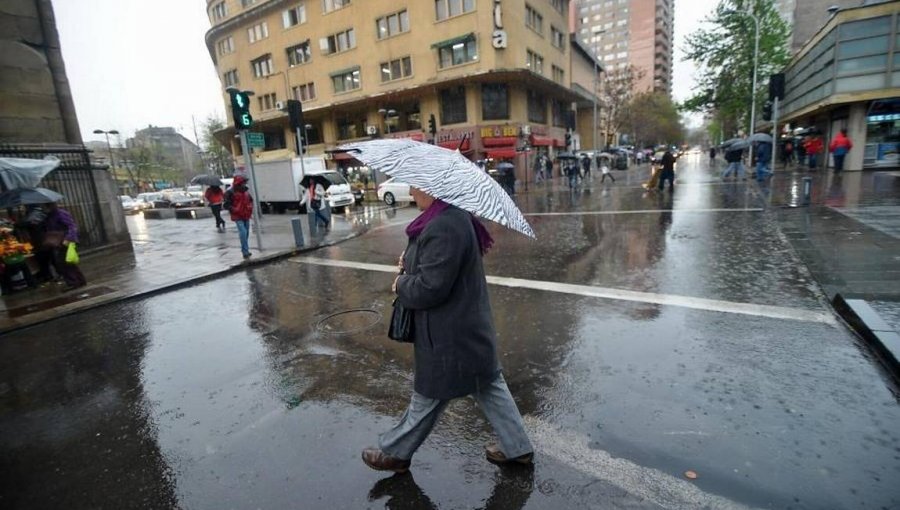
<point x="112" y="163"/>
<point x="594" y="59"/>
<point x="755" y="66"/>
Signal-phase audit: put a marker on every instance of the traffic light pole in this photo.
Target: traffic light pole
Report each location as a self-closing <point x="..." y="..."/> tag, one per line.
<point x="774" y="132"/>
<point x="248" y="163"/>
<point x="300" y="143"/>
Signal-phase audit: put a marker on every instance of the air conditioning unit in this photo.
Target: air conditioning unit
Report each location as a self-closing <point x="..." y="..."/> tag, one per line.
<point x="526" y="129"/>
<point x="371" y="130"/>
<point x="279" y="105"/>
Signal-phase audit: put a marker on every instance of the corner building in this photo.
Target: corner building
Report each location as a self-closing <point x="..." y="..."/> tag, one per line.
<point x="494" y="73"/>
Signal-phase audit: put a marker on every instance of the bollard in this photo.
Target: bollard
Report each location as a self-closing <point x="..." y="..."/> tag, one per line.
<point x="807" y="190"/>
<point x="298" y="231"/>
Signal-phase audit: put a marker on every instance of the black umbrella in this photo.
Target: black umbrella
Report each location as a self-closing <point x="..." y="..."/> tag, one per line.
<point x="28" y="196"/>
<point x="312" y="179"/>
<point x="206" y="180"/>
<point x="566" y="155"/>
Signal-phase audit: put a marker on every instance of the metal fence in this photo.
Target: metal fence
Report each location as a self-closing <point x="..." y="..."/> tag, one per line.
<point x="74" y="179"/>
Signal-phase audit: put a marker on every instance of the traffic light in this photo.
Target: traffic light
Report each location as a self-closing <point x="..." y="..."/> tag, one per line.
<point x="776" y="86"/>
<point x="295" y="114"/>
<point x="568" y="141"/>
<point x="767" y="110"/>
<point x="240" y="109"/>
<point x="432" y="125"/>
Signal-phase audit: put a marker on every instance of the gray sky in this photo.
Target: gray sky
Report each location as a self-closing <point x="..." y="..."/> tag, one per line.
<point x="132" y="63"/>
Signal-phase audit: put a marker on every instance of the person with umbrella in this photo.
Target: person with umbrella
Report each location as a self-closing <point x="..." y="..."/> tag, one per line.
<point x="239" y="203"/>
<point x="585" y="166"/>
<point x="214" y="196"/>
<point x="668" y="171"/>
<point x="763" y="156"/>
<point x="61" y="230"/>
<point x="314" y="187"/>
<point x="442" y="281"/>
<point x="734" y="156"/>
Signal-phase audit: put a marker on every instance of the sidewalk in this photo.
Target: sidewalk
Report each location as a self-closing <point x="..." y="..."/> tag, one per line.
<point x="170" y="253"/>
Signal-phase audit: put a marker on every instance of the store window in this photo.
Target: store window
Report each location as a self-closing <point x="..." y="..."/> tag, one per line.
<point x="883" y="134"/>
<point x="494" y="101"/>
<point x="351" y="127"/>
<point x="537" y="107"/>
<point x="453" y="105"/>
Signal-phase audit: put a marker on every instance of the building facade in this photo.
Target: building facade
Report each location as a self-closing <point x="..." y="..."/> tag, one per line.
<point x="848" y="77"/>
<point x="639" y="33"/>
<point x="494" y="75"/>
<point x="806" y="17"/>
<point x="173" y="149"/>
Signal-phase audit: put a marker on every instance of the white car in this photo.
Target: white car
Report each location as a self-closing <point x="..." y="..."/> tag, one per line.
<point x="393" y="191"/>
<point x="339" y="195"/>
<point x="130" y="205"/>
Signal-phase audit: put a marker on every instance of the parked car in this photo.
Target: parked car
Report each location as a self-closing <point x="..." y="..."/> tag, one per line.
<point x="195" y="191"/>
<point x="180" y="199"/>
<point x="393" y="191"/>
<point x="130" y="205"/>
<point x="148" y="200"/>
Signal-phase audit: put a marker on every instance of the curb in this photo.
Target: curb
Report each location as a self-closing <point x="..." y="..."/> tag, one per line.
<point x="881" y="338"/>
<point x="116" y="298"/>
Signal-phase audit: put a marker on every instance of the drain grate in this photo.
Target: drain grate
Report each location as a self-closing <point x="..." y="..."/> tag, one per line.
<point x="349" y="321"/>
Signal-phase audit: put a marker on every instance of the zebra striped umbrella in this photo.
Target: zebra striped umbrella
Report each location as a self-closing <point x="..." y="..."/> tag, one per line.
<point x="443" y="174"/>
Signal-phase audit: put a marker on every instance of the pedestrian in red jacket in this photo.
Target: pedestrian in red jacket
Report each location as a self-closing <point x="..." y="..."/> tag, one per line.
<point x="240" y="204"/>
<point x="214" y="198"/>
<point x="839" y="148"/>
<point x="813" y="147"/>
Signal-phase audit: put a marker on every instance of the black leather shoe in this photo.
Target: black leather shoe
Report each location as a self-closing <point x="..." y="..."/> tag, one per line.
<point x="494" y="455"/>
<point x="380" y="461"/>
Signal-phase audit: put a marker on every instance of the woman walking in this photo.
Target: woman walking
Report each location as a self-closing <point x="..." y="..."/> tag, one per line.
<point x="214" y="198"/>
<point x="61" y="231"/>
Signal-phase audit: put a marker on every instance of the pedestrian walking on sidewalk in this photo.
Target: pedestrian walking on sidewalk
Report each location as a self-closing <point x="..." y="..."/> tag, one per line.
<point x="538" y="169"/>
<point x="585" y="166"/>
<point x="668" y="171"/>
<point x="214" y="198"/>
<point x="604" y="171"/>
<point x="61" y="231"/>
<point x="839" y="148"/>
<point x="442" y="280"/>
<point x="763" y="157"/>
<point x="735" y="159"/>
<point x="712" y="156"/>
<point x="240" y="204"/>
<point x="813" y="147"/>
<point x="314" y="199"/>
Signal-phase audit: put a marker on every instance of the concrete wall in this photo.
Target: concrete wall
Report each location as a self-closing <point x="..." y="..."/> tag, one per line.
<point x="111" y="208"/>
<point x="34" y="91"/>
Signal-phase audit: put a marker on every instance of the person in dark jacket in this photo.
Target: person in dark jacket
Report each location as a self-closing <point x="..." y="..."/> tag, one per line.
<point x="240" y="205"/>
<point x="442" y="280"/>
<point x="763" y="158"/>
<point x="735" y="159"/>
<point x="668" y="171"/>
<point x="59" y="220"/>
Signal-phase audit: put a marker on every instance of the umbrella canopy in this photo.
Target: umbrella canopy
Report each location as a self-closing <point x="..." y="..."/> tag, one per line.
<point x="505" y="165"/>
<point x="206" y="180"/>
<point x="760" y="137"/>
<point x="28" y="196"/>
<point x="25" y="173"/>
<point x="739" y="145"/>
<point x="443" y="174"/>
<point x="566" y="155"/>
<point x="313" y="179"/>
<point x="605" y="155"/>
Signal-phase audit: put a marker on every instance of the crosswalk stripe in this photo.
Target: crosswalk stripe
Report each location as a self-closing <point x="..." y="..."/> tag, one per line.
<point x="642" y="211"/>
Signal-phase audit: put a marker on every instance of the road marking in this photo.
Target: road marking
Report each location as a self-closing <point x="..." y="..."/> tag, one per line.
<point x="642" y="211"/>
<point x="650" y="484"/>
<point x="774" y="312"/>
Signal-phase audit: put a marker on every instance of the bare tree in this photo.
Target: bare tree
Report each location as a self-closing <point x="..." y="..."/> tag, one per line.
<point x="616" y="92"/>
<point x="217" y="156"/>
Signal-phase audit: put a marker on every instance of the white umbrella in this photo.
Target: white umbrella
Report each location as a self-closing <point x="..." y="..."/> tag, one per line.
<point x="442" y="173"/>
<point x="24" y="172"/>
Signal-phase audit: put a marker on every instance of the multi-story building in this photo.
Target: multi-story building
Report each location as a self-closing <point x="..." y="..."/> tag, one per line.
<point x="638" y="33"/>
<point x="494" y="75"/>
<point x="173" y="148"/>
<point x="806" y="17"/>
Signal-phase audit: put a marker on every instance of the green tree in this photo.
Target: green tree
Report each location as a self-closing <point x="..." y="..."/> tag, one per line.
<point x="653" y="119"/>
<point x="724" y="54"/>
<point x="216" y="156"/>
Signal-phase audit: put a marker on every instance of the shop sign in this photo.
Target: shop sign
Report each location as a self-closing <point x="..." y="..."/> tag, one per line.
<point x="490" y="131"/>
<point x="498" y="38"/>
<point x="884" y="118"/>
<point x="449" y="136"/>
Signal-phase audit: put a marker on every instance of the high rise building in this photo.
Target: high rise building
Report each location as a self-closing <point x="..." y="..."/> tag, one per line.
<point x="631" y="32"/>
<point x="493" y="76"/>
<point x="806" y="17"/>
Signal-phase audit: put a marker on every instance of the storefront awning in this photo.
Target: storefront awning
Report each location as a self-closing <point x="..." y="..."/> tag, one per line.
<point x="502" y="153"/>
<point x="450" y="42"/>
<point x="454" y="144"/>
<point x="499" y="141"/>
<point x="545" y="141"/>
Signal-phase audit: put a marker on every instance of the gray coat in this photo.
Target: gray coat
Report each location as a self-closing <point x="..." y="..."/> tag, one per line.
<point x="455" y="343"/>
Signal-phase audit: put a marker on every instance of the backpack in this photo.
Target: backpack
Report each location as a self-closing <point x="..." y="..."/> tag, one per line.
<point x="227" y="203"/>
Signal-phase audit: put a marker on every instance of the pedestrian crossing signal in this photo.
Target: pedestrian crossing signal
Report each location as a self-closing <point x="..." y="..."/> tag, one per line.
<point x="240" y="109"/>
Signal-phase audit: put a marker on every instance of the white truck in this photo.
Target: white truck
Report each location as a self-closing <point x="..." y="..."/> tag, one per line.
<point x="278" y="184"/>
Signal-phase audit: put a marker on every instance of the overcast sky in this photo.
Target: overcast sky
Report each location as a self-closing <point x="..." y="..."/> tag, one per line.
<point x="132" y="63"/>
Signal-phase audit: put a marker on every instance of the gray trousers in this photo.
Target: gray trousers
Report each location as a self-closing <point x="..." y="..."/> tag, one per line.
<point x="420" y="417"/>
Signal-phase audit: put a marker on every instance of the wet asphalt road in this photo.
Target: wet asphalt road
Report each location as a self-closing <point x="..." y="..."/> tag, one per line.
<point x="249" y="392"/>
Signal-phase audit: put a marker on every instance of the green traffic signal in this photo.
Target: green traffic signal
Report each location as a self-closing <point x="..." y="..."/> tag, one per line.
<point x="240" y="109"/>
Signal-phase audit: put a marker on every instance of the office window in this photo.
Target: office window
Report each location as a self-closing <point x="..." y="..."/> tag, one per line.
<point x="294" y="16"/>
<point x="299" y="54"/>
<point x="537" y="107"/>
<point x="559" y="6"/>
<point x="457" y="53"/>
<point x="267" y="102"/>
<point x="557" y="38"/>
<point x="393" y="24"/>
<point x="226" y="46"/>
<point x="444" y="9"/>
<point x="247" y="3"/>
<point x="219" y="11"/>
<point x="230" y="78"/>
<point x="333" y="5"/>
<point x="258" y="32"/>
<point x="559" y="75"/>
<point x="305" y="92"/>
<point x="262" y="66"/>
<point x="533" y="19"/>
<point x="396" y="69"/>
<point x="453" y="105"/>
<point x="535" y="62"/>
<point x="557" y="109"/>
<point x="494" y="101"/>
<point x="346" y="81"/>
<point x="336" y="43"/>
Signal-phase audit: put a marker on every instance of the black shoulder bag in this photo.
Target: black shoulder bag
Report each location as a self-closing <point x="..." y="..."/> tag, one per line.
<point x="401" y="327"/>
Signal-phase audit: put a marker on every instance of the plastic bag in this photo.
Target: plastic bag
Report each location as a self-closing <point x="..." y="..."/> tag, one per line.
<point x="72" y="255"/>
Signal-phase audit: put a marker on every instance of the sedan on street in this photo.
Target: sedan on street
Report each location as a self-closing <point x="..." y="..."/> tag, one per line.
<point x="392" y="191"/>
